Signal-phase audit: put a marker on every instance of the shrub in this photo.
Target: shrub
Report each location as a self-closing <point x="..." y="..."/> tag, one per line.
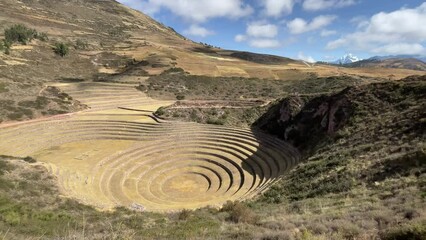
<point x="29" y="160"/>
<point x="42" y="37"/>
<point x="215" y="121"/>
<point x="5" y="46"/>
<point x="180" y="97"/>
<point x="161" y="111"/>
<point x="239" y="213"/>
<point x="81" y="45"/>
<point x="174" y="70"/>
<point x="61" y="49"/>
<point x="19" y="33"/>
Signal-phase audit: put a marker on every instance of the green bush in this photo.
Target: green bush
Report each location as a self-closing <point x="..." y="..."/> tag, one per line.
<point x="5" y="46"/>
<point x="19" y="33"/>
<point x="216" y="121"/>
<point x="161" y="111"/>
<point x="61" y="49"/>
<point x="180" y="97"/>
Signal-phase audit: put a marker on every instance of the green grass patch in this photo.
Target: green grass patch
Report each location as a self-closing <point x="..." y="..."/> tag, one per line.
<point x="3" y="87"/>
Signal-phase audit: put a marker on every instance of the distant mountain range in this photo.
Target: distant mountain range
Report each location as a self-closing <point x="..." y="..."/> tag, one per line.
<point x="418" y="57"/>
<point x="350" y="58"/>
<point x="414" y="62"/>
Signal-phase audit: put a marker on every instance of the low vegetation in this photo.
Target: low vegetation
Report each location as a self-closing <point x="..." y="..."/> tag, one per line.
<point x="81" y="45"/>
<point x="61" y="49"/>
<point x="20" y="34"/>
<point x="243" y="100"/>
<point x="176" y="83"/>
<point x="51" y="102"/>
<point x="236" y="117"/>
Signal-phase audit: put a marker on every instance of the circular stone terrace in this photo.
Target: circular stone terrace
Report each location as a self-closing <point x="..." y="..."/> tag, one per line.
<point x="111" y="156"/>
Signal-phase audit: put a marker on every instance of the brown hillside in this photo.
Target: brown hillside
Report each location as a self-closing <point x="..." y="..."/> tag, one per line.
<point x="127" y="35"/>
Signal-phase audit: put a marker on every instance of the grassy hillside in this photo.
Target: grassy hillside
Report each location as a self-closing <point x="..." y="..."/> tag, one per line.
<point x="381" y="136"/>
<point x="369" y="170"/>
<point x="407" y="63"/>
<point x="364" y="180"/>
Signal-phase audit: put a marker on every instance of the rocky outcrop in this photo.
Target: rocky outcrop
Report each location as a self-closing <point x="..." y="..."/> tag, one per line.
<point x="303" y="123"/>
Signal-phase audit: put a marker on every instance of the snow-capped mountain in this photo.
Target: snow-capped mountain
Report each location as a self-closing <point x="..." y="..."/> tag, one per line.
<point x="346" y="59"/>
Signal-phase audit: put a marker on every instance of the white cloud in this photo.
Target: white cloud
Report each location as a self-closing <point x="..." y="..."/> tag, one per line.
<point x="336" y="43"/>
<point x="264" y="43"/>
<point x="396" y="32"/>
<point x="262" y="30"/>
<point x="275" y="8"/>
<point x="327" y="33"/>
<point x="195" y="30"/>
<point x="400" y="48"/>
<point x="316" y="5"/>
<point x="359" y="21"/>
<point x="194" y="10"/>
<point x="309" y="59"/>
<point x="240" y="38"/>
<point x="260" y="35"/>
<point x="299" y="25"/>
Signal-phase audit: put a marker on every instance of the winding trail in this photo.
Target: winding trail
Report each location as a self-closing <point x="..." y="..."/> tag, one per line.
<point x="117" y="153"/>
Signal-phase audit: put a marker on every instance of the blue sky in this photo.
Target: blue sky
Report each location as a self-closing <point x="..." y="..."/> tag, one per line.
<point x="312" y="30"/>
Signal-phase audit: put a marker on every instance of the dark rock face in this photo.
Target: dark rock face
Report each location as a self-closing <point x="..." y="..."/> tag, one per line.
<point x="304" y="123"/>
